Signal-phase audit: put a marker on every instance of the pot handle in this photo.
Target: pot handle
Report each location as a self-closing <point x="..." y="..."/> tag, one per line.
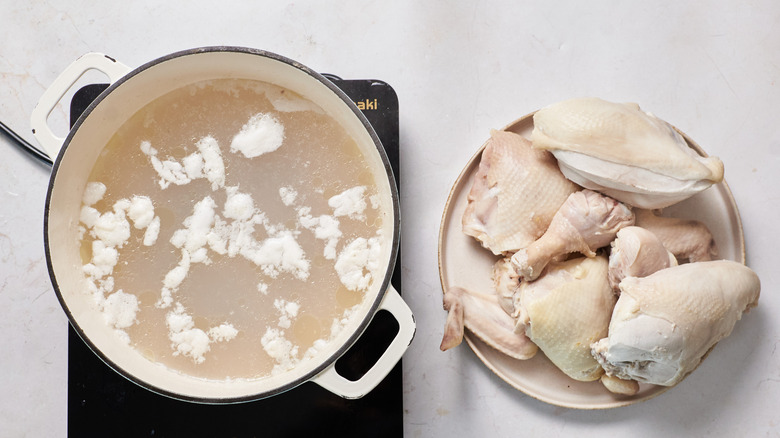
<point x="331" y="380"/>
<point x="39" y="118"/>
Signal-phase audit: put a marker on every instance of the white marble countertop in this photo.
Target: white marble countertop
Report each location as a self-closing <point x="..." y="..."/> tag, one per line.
<point x="460" y="69"/>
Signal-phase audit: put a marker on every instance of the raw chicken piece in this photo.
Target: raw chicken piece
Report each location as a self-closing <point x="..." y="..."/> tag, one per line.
<point x="515" y="194"/>
<point x="617" y="385"/>
<point x="566" y="310"/>
<point x="665" y="323"/>
<point x="506" y="282"/>
<point x="623" y="152"/>
<point x="636" y="252"/>
<point x="687" y="239"/>
<point x="586" y="222"/>
<point x="482" y="315"/>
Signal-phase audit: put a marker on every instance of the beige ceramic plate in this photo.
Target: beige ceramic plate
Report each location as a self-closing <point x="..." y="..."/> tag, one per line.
<point x="463" y="262"/>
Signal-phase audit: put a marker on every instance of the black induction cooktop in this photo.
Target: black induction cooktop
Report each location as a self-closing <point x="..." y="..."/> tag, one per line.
<point x="101" y="403"/>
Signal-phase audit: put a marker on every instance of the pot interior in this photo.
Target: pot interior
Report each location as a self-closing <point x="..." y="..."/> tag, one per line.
<point x="80" y="153"/>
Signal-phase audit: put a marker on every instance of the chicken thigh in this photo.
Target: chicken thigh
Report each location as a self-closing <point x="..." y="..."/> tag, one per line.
<point x="623" y="152"/>
<point x="565" y="311"/>
<point x="586" y="222"/>
<point x="515" y="193"/>
<point x="664" y="324"/>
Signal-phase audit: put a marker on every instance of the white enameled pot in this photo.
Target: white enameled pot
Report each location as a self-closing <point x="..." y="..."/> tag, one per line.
<point x="75" y="155"/>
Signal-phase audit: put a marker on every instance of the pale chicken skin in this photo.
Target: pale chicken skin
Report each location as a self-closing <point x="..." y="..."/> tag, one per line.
<point x="565" y="311"/>
<point x="586" y="222"/>
<point x="515" y="193"/>
<point x="664" y="324"/>
<point x="483" y="316"/>
<point x="689" y="240"/>
<point x="637" y="252"/>
<point x="616" y="385"/>
<point x="623" y="152"/>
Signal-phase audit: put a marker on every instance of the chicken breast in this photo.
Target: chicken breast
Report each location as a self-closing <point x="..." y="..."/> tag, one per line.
<point x="664" y="324"/>
<point x="623" y="152"/>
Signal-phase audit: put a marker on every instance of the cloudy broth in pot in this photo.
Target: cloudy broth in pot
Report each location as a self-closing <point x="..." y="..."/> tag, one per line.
<point x="230" y="228"/>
